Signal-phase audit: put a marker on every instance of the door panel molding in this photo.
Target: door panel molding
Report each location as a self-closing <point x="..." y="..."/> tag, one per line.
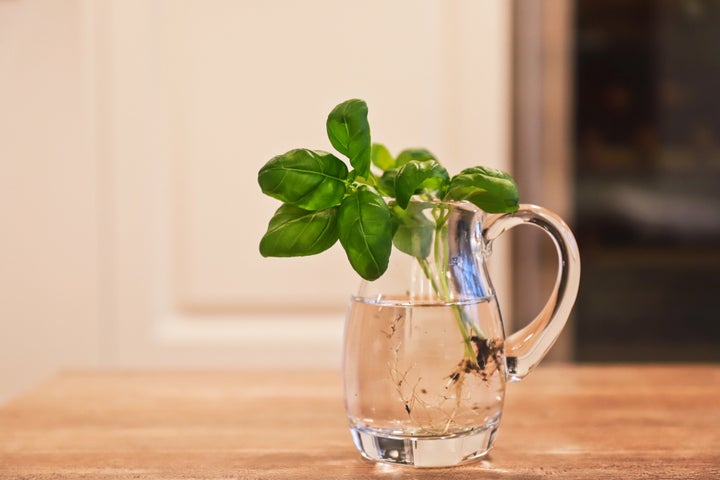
<point x="180" y="122"/>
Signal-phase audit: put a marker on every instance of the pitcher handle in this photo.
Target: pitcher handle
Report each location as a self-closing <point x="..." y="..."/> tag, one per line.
<point x="525" y="348"/>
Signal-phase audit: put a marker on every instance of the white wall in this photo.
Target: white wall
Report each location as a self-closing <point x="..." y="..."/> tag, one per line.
<point x="141" y="131"/>
<point x="48" y="236"/>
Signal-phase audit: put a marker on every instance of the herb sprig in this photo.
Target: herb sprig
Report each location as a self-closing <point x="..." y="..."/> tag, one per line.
<point x="366" y="207"/>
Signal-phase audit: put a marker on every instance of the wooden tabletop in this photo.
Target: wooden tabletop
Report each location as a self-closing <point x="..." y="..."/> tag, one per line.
<point x="562" y="422"/>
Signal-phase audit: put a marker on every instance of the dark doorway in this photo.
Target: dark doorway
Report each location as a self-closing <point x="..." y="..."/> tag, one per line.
<point x="646" y="141"/>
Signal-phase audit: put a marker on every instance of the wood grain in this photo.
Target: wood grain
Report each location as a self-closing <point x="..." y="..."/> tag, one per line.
<point x="562" y="422"/>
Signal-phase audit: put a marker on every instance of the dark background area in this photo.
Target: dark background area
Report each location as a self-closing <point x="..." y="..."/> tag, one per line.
<point x="647" y="148"/>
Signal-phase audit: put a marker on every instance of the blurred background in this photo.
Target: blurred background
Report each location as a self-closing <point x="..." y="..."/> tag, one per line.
<point x="616" y="103"/>
<point x="131" y="133"/>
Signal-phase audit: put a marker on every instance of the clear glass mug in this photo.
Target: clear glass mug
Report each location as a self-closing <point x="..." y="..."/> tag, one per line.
<point x="426" y="359"/>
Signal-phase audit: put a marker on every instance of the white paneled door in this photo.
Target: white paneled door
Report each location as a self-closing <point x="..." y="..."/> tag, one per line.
<point x="190" y="98"/>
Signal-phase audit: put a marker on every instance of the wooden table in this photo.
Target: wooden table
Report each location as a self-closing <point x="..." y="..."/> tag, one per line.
<point x="562" y="422"/>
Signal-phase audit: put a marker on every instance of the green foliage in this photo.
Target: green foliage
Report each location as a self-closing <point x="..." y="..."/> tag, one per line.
<point x="308" y="179"/>
<point x="349" y="132"/>
<point x="294" y="232"/>
<point x="414" y="231"/>
<point x="418" y="177"/>
<point x="366" y="232"/>
<point x="492" y="190"/>
<point x="370" y="208"/>
<point x="386" y="183"/>
<point x="381" y="157"/>
<point x="419" y="154"/>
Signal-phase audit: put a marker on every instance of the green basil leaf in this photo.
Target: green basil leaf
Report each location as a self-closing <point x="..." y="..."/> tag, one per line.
<point x="381" y="157"/>
<point x="492" y="190"/>
<point x="386" y="183"/>
<point x="414" y="233"/>
<point x="418" y="176"/>
<point x="309" y="179"/>
<point x="294" y="232"/>
<point x="365" y="228"/>
<point x="408" y="154"/>
<point x="349" y="132"/>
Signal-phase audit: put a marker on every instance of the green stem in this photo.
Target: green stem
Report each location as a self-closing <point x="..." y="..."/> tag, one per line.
<point x="427" y="270"/>
<point x="443" y="295"/>
<point x="441" y="286"/>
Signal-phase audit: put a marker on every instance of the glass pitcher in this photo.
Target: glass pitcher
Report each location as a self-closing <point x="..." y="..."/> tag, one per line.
<point x="426" y="359"/>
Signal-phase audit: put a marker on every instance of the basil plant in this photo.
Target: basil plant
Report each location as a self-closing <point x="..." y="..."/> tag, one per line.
<point x="365" y="200"/>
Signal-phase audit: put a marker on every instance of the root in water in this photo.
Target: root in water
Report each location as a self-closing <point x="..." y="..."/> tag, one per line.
<point x="488" y="355"/>
<point x="439" y="414"/>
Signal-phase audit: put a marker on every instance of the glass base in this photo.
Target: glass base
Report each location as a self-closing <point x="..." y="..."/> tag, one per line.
<point x="444" y="451"/>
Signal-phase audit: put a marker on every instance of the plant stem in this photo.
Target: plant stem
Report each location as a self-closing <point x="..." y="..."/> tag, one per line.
<point x="439" y="282"/>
